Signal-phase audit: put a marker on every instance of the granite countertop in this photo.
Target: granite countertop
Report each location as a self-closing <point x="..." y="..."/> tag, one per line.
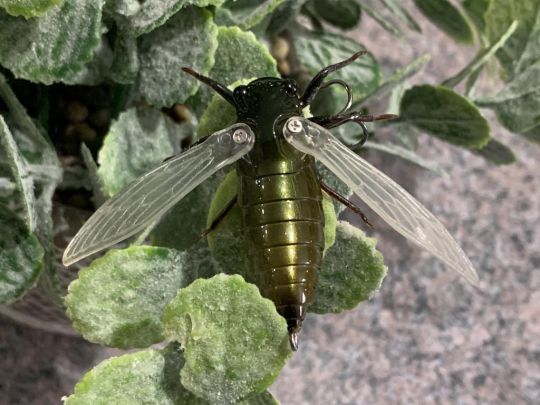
<point x="427" y="336"/>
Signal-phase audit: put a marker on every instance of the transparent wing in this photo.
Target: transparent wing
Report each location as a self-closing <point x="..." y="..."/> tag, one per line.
<point x="387" y="198"/>
<point x="151" y="195"/>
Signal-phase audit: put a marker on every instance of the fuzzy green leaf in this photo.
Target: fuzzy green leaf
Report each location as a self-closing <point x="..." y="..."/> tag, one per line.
<point x="518" y="105"/>
<point x="187" y="39"/>
<point x="245" y="13"/>
<point x="145" y="377"/>
<point x="316" y="51"/>
<point x="399" y="76"/>
<point x="352" y="271"/>
<point x="20" y="173"/>
<point x="341" y="13"/>
<point x="98" y="190"/>
<point x="239" y="55"/>
<point x="283" y="15"/>
<point x="400" y="12"/>
<point x="476" y="9"/>
<point x="139" y="140"/>
<point x="533" y="134"/>
<point x="21" y="257"/>
<point x="119" y="299"/>
<point x="522" y="49"/>
<point x="28" y="8"/>
<point x="53" y="47"/>
<point x="137" y="17"/>
<point x="497" y="153"/>
<point x="150" y="377"/>
<point x="481" y="58"/>
<point x="234" y="341"/>
<point x="448" y="18"/>
<point x="125" y="63"/>
<point x="445" y="114"/>
<point x="385" y="22"/>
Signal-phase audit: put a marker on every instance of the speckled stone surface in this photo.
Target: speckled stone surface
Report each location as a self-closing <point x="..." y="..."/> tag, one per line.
<point x="427" y="336"/>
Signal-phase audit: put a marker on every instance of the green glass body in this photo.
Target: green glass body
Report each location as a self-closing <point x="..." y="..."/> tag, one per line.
<point x="281" y="201"/>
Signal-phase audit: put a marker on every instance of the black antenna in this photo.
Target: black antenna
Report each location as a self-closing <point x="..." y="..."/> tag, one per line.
<point x="216" y="86"/>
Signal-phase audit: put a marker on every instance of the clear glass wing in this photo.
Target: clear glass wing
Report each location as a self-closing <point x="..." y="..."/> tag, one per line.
<point x="150" y="196"/>
<point x="387" y="198"/>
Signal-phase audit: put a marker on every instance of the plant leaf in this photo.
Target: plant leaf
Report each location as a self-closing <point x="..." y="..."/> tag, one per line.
<point x="341" y="13"/>
<point x="98" y="192"/>
<point x="397" y="9"/>
<point x="448" y="18"/>
<point x="245" y="13"/>
<point x="352" y="271"/>
<point x="21" y="257"/>
<point x="72" y="33"/>
<point x="119" y="299"/>
<point x="481" y="58"/>
<point x="150" y="374"/>
<point x="407" y="154"/>
<point x="522" y="49"/>
<point x="234" y="341"/>
<point x="125" y="63"/>
<point x="28" y="8"/>
<point x="239" y="55"/>
<point x="445" y="114"/>
<point x="518" y="104"/>
<point x="19" y="170"/>
<point x="283" y="15"/>
<point x="497" y="153"/>
<point x="386" y="23"/>
<point x="139" y="140"/>
<point x="187" y="39"/>
<point x="316" y="51"/>
<point x="476" y="10"/>
<point x="137" y="17"/>
<point x="533" y="134"/>
<point x="398" y="77"/>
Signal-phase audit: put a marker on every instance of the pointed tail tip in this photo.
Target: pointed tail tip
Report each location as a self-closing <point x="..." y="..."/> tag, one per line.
<point x="293" y="340"/>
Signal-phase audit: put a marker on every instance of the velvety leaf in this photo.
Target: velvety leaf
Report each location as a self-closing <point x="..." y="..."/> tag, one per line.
<point x="19" y="171"/>
<point x="234" y="341"/>
<point x="21" y="257"/>
<point x="399" y="76"/>
<point x="239" y="56"/>
<point x="476" y="9"/>
<point x="28" y="8"/>
<point x="187" y="39"/>
<point x="497" y="153"/>
<point x="448" y="18"/>
<point x="245" y="13"/>
<point x="445" y="114"/>
<point x="283" y="15"/>
<point x="72" y="33"/>
<point x="400" y="12"/>
<point x="407" y="154"/>
<point x="533" y="135"/>
<point x="341" y="13"/>
<point x="518" y="105"/>
<point x="139" y="140"/>
<point x="522" y="49"/>
<point x="352" y="271"/>
<point x="481" y="58"/>
<point x="385" y="22"/>
<point x="98" y="190"/>
<point x="119" y="299"/>
<point x="139" y="17"/>
<point x="145" y="377"/>
<point x="125" y="63"/>
<point x="317" y="51"/>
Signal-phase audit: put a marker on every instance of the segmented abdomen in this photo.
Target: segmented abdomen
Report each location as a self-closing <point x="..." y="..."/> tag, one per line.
<point x="284" y="225"/>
